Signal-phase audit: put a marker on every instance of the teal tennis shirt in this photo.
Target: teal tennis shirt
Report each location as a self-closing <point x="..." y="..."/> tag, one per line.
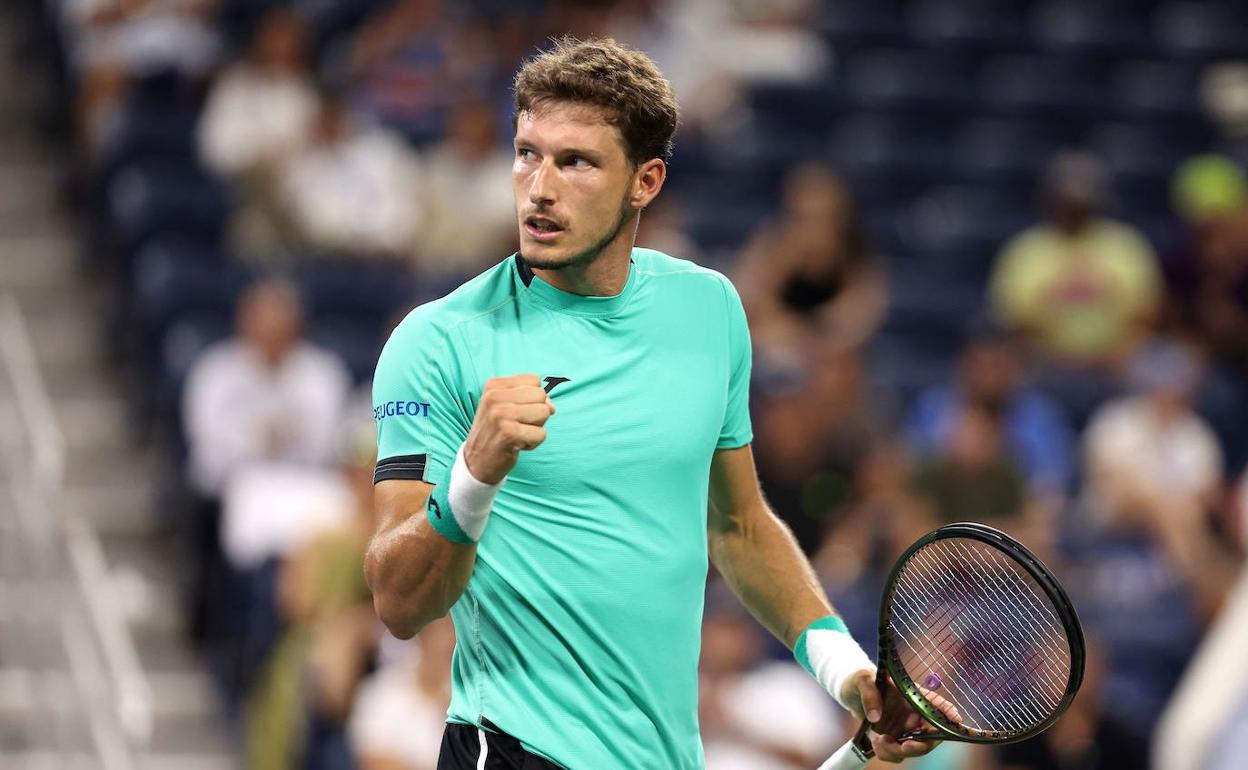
<point x="580" y="628"/>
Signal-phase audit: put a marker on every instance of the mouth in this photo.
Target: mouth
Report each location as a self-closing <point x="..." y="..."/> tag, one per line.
<point x="542" y="228"/>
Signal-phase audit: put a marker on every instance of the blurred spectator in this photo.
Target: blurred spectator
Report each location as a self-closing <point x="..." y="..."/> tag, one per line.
<point x="353" y="190"/>
<point x="881" y="519"/>
<point x="1083" y="288"/>
<point x="662" y="227"/>
<point x="261" y="108"/>
<point x="297" y="711"/>
<point x="1210" y="705"/>
<point x="1085" y="737"/>
<point x="809" y="279"/>
<point x="112" y="42"/>
<point x="1224" y="94"/>
<point x="470" y="213"/>
<point x="264" y="396"/>
<point x="1036" y="435"/>
<point x="413" y="58"/>
<point x="1208" y="280"/>
<point x="400" y="711"/>
<point x="757" y="714"/>
<point x="713" y="51"/>
<point x="970" y="479"/>
<point x="1154" y="464"/>
<point x="812" y="436"/>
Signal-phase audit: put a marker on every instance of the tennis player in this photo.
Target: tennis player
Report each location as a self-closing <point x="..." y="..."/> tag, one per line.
<point x="564" y="439"/>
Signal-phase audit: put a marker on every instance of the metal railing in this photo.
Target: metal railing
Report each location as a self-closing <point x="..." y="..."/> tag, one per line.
<point x="115" y="697"/>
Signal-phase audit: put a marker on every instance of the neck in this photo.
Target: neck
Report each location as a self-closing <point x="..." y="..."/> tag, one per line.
<point x="603" y="276"/>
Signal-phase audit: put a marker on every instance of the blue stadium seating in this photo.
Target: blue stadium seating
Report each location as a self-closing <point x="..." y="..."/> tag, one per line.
<point x="154" y="197"/>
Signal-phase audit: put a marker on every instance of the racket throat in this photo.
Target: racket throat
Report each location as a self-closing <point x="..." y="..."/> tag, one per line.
<point x="862" y="742"/>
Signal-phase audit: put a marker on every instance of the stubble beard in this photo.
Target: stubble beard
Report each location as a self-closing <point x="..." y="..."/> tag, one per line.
<point x="589" y="255"/>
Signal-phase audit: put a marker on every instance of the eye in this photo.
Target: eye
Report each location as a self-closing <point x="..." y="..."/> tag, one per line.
<point x="576" y="161"/>
<point x="524" y="153"/>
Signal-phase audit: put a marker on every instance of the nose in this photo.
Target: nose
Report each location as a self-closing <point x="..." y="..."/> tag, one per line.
<point x="542" y="184"/>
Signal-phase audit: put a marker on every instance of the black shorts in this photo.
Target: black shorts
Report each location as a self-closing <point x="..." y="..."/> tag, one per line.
<point x="462" y="750"/>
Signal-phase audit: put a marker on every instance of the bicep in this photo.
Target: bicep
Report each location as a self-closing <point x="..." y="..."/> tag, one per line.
<point x="734" y="492"/>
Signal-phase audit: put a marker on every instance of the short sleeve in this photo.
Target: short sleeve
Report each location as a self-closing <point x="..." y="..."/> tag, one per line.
<point x="1013" y="283"/>
<point x="419" y="403"/>
<point x="736" y="430"/>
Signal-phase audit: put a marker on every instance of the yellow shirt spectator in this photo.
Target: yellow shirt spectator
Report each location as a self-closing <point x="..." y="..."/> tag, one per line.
<point x="1081" y="296"/>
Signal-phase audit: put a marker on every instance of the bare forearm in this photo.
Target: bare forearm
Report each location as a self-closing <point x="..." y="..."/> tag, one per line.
<point x="768" y="572"/>
<point x="415" y="574"/>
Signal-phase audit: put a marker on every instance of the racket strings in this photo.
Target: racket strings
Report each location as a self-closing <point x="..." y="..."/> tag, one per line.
<point x="970" y="615"/>
<point x="972" y="626"/>
<point x="971" y="708"/>
<point x="1008" y="652"/>
<point x="1040" y="616"/>
<point x="975" y="708"/>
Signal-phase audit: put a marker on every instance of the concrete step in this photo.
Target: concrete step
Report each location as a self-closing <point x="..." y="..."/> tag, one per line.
<point x="111" y="507"/>
<point x="188" y="736"/>
<point x="94" y="423"/>
<point x="44" y="693"/>
<point x="48" y="760"/>
<point x="66" y="338"/>
<point x="188" y="762"/>
<point x="29" y="195"/>
<point x="183" y="695"/>
<point x="38" y="262"/>
<point x="112" y="464"/>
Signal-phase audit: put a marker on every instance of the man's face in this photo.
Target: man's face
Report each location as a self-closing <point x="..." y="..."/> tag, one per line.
<point x="573" y="183"/>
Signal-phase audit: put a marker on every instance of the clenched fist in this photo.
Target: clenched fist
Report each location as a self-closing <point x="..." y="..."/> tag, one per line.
<point x="509" y="419"/>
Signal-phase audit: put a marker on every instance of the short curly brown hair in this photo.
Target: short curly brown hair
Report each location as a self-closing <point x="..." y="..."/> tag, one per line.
<point x="624" y="82"/>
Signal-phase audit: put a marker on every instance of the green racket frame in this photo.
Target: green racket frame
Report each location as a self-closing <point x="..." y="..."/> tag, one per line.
<point x="891" y="661"/>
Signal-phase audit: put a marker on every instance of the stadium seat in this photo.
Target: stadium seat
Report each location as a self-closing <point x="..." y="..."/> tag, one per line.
<point x="867" y="144"/>
<point x="849" y="23"/>
<point x="144" y="132"/>
<point x="1134" y="153"/>
<point x="372" y="292"/>
<point x="1089" y="30"/>
<point x="172" y="280"/>
<point x="1038" y="87"/>
<point x="894" y="79"/>
<point x="356" y="340"/>
<point x="1146" y="90"/>
<point x="962" y="227"/>
<point x="1010" y="152"/>
<point x="158" y="196"/>
<point x="967" y="30"/>
<point x="789" y="113"/>
<point x="1201" y="31"/>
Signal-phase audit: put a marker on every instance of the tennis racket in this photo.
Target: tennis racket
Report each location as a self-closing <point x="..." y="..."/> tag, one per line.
<point x="978" y="637"/>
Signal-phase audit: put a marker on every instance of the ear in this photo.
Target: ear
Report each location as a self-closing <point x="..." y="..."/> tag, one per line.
<point x="647" y="181"/>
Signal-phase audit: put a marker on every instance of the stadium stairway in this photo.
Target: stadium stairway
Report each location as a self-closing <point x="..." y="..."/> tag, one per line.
<point x="94" y="670"/>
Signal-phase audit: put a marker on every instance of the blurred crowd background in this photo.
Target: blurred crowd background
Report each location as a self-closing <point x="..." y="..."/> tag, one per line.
<point x="994" y="256"/>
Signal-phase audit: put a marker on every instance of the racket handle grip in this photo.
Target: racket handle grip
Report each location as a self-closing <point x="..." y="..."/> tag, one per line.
<point x="847" y="757"/>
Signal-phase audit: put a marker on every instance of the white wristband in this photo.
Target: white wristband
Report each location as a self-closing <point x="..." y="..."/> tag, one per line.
<point x="831" y="655"/>
<point x="470" y="499"/>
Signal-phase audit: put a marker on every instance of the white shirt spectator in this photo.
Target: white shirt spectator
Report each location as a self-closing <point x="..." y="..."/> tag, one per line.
<point x="393" y="719"/>
<point x="253" y="116"/>
<point x="470" y="211"/>
<point x="1178" y="459"/>
<point x="239" y="410"/>
<point x="356" y="195"/>
<point x="140" y="37"/>
<point x="776" y="710"/>
<point x="270" y="510"/>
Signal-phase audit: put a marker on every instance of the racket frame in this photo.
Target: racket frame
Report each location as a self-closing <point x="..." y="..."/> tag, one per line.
<point x="889" y="661"/>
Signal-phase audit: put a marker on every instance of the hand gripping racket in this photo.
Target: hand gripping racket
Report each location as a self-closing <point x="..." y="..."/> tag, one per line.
<point x="978" y="637"/>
